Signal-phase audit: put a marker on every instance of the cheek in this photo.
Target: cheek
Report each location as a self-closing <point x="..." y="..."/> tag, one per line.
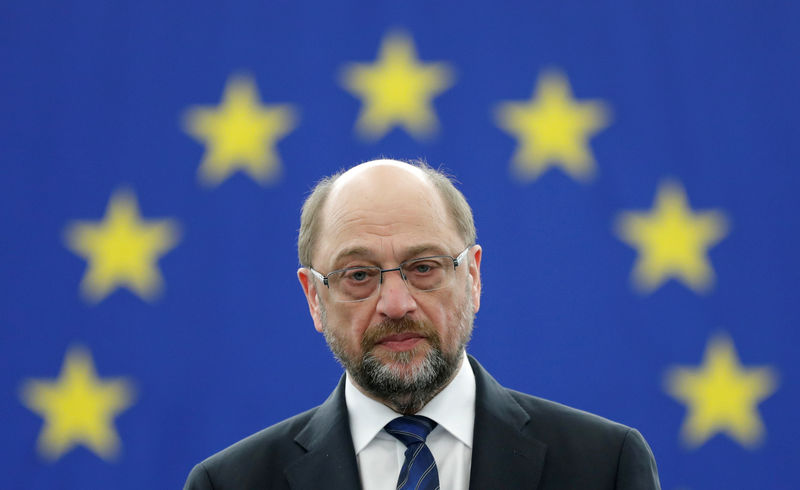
<point x="350" y="323"/>
<point x="458" y="315"/>
<point x="444" y="315"/>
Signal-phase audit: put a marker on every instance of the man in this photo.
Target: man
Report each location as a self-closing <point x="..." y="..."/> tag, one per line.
<point x="391" y="273"/>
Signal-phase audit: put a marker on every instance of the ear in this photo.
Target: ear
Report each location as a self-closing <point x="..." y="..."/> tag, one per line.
<point x="475" y="273"/>
<point x="309" y="286"/>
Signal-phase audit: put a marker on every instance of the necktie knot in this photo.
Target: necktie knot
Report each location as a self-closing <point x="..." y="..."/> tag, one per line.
<point x="411" y="429"/>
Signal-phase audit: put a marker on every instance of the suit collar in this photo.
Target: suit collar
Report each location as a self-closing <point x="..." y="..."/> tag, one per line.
<point x="504" y="455"/>
<point x="330" y="461"/>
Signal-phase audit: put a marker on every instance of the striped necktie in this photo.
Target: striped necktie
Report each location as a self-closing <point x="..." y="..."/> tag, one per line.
<point x="419" y="468"/>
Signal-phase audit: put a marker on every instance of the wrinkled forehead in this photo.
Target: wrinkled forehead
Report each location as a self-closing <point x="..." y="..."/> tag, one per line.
<point x="384" y="200"/>
<point x="380" y="191"/>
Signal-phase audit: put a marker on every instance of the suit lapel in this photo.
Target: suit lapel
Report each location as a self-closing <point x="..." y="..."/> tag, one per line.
<point x="330" y="461"/>
<point x="504" y="455"/>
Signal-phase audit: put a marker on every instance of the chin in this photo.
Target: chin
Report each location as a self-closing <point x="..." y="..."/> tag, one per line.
<point x="402" y="361"/>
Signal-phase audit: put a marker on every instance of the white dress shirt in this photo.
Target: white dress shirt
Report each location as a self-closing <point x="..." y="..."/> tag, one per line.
<point x="380" y="455"/>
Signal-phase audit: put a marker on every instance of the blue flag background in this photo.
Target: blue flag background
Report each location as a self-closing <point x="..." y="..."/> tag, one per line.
<point x="632" y="167"/>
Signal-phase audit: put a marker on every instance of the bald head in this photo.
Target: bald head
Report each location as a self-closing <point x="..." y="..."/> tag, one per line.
<point x="378" y="186"/>
<point x="381" y="168"/>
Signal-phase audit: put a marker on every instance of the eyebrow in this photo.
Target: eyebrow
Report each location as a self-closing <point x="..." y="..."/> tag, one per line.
<point x="408" y="253"/>
<point x="352" y="252"/>
<point x="426" y="248"/>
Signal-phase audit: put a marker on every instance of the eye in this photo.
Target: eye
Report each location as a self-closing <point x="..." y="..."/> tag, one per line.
<point x="422" y="268"/>
<point x="358" y="274"/>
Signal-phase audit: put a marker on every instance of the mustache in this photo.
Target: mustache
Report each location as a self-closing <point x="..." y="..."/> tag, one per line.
<point x="390" y="326"/>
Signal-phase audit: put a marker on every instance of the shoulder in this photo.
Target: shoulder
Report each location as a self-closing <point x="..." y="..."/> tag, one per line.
<point x="278" y="437"/>
<point x="555" y="419"/>
<point x="253" y="459"/>
<point x="546" y="420"/>
<point x="581" y="448"/>
<point x="583" y="444"/>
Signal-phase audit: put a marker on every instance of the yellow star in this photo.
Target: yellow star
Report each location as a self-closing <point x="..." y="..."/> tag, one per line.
<point x="397" y="89"/>
<point x="78" y="408"/>
<point x="672" y="241"/>
<point x="122" y="249"/>
<point x="240" y="134"/>
<point x="721" y="395"/>
<point x="553" y="129"/>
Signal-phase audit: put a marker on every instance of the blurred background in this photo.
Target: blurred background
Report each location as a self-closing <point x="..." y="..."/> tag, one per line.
<point x="632" y="166"/>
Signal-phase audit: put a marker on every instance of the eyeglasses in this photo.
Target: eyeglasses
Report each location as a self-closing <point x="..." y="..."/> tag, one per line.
<point x="422" y="274"/>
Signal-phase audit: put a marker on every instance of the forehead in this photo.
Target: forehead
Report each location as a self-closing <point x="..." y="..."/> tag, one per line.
<point x="385" y="211"/>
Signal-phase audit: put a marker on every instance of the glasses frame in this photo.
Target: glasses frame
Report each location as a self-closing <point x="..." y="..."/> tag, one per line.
<point x="457" y="260"/>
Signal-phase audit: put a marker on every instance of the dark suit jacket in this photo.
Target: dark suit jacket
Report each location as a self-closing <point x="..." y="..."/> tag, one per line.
<point x="519" y="442"/>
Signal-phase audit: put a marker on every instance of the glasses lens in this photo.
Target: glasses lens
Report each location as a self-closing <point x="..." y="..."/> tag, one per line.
<point x="355" y="284"/>
<point x="430" y="273"/>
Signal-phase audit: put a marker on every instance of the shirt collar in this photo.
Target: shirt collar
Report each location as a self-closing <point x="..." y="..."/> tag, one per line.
<point x="453" y="408"/>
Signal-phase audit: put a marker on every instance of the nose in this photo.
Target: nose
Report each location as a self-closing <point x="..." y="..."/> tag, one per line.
<point x="395" y="300"/>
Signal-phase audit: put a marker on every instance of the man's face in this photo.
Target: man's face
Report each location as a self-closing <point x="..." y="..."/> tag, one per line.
<point x="399" y="346"/>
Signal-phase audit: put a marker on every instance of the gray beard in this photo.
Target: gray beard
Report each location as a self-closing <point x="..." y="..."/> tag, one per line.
<point x="406" y="393"/>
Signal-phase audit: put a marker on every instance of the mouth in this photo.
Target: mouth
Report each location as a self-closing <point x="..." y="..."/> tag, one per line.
<point x="402" y="341"/>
